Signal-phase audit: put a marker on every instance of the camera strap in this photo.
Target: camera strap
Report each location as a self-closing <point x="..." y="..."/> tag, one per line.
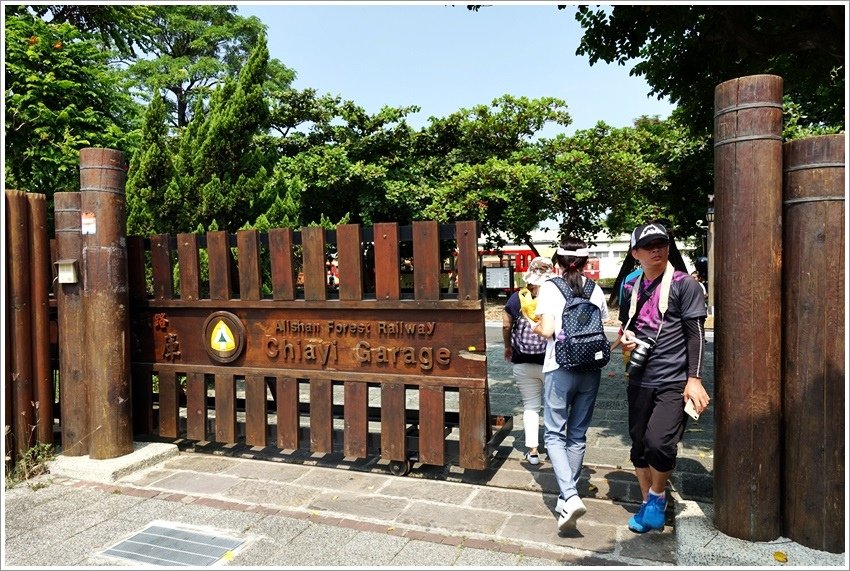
<point x="663" y="300"/>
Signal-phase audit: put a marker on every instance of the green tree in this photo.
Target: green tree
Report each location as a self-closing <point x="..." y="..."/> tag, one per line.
<point x="61" y="96"/>
<point x="599" y="179"/>
<point x="119" y="27"/>
<point x="507" y="197"/>
<point x="687" y="164"/>
<point x="345" y="164"/>
<point x="152" y="197"/>
<point x="192" y="49"/>
<point x="220" y="171"/>
<point x="476" y="164"/>
<point x="685" y="51"/>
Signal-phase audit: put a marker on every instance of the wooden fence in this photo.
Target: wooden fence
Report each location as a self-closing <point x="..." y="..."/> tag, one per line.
<point x="240" y="336"/>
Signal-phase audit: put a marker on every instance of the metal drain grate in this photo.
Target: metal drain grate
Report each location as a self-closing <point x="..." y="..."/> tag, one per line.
<point x="160" y="544"/>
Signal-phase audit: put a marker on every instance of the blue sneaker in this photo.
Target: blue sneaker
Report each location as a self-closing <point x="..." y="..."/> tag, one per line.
<point x="654" y="516"/>
<point x="636" y="521"/>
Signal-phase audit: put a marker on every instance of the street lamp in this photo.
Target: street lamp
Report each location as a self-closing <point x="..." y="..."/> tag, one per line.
<point x="709" y="217"/>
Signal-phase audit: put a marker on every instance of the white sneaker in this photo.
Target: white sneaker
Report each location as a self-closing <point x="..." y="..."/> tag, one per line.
<point x="559" y="506"/>
<point x="573" y="509"/>
<point x="532" y="458"/>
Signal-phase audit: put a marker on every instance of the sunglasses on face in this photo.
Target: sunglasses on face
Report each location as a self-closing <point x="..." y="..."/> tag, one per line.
<point x="657" y="245"/>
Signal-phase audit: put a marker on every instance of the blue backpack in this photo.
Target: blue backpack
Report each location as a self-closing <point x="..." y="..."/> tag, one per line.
<point x="583" y="345"/>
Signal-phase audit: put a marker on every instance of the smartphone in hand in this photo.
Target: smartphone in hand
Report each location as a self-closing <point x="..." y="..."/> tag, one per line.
<point x="691" y="410"/>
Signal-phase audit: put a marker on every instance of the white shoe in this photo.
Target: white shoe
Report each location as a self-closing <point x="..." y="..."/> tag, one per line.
<point x="559" y="506"/>
<point x="573" y="509"/>
<point x="532" y="458"/>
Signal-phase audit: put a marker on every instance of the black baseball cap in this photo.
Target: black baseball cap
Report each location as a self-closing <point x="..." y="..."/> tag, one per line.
<point x="647" y="233"/>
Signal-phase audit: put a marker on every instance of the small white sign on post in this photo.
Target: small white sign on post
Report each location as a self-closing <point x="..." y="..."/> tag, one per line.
<point x="498" y="278"/>
<point x="88" y="223"/>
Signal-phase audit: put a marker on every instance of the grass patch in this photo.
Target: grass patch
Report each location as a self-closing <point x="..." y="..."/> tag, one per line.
<point x="32" y="463"/>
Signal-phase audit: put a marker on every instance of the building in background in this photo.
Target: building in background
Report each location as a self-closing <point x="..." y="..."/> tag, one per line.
<point x="610" y="253"/>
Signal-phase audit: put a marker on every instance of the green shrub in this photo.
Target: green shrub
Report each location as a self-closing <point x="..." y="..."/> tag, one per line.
<point x="32" y="463"/>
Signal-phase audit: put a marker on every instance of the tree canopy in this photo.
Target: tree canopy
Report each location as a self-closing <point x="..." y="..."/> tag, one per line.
<point x="228" y="143"/>
<point x="61" y="96"/>
<point x="685" y="51"/>
<point x="192" y="49"/>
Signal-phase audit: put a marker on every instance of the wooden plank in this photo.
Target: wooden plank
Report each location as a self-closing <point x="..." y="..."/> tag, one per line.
<point x="256" y="414"/>
<point x="188" y="260"/>
<point x="393" y="423"/>
<point x="250" y="274"/>
<point x="196" y="406"/>
<point x="280" y="251"/>
<point x="473" y="429"/>
<point x="467" y="260"/>
<point x="456" y="382"/>
<point x="315" y="277"/>
<point x="219" y="260"/>
<point x="214" y="305"/>
<point x="387" y="263"/>
<point x="321" y="416"/>
<point x="225" y="408"/>
<point x="163" y="279"/>
<point x="288" y="422"/>
<point x="432" y="425"/>
<point x="350" y="260"/>
<point x="356" y="436"/>
<point x="426" y="259"/>
<point x="136" y="269"/>
<point x="142" y="400"/>
<point x="169" y="405"/>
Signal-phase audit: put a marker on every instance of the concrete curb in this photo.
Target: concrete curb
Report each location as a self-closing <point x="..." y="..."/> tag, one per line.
<point x="144" y="455"/>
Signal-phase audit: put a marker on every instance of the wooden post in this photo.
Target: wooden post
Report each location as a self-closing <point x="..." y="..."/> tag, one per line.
<point x="73" y="394"/>
<point x="813" y="342"/>
<point x="8" y="395"/>
<point x="748" y="391"/>
<point x="18" y="252"/>
<point x="105" y="300"/>
<point x="40" y="278"/>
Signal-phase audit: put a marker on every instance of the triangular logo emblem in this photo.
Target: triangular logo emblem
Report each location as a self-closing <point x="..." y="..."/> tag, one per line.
<point x="222" y="338"/>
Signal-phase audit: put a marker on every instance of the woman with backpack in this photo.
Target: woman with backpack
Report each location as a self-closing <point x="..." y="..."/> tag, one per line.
<point x="526" y="350"/>
<point x="570" y="389"/>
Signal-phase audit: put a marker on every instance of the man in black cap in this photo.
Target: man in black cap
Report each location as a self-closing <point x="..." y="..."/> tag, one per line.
<point x="663" y="313"/>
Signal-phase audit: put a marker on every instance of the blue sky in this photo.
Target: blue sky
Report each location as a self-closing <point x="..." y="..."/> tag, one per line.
<point x="443" y="58"/>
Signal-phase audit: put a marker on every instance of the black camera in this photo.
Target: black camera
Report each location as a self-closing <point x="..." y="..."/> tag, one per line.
<point x="640" y="355"/>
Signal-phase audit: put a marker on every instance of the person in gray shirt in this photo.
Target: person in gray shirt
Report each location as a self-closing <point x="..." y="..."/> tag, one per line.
<point x="663" y="313"/>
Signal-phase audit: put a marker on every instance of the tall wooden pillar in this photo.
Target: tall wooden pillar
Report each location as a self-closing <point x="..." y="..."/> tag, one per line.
<point x="748" y="326"/>
<point x="813" y="342"/>
<point x="40" y="274"/>
<point x="105" y="300"/>
<point x="73" y="397"/>
<point x="19" y="321"/>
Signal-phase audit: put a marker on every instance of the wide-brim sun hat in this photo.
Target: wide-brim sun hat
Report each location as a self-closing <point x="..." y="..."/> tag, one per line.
<point x="539" y="270"/>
